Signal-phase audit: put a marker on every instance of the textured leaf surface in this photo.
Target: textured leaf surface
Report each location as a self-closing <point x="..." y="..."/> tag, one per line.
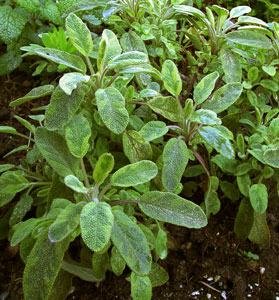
<point x="100" y="263"/>
<point x="12" y="182"/>
<point x="69" y="81"/>
<point x="62" y="286"/>
<point x="153" y="130"/>
<point x="231" y="66"/>
<point x="224" y="97"/>
<point x="134" y="174"/>
<point x="10" y="61"/>
<point x="75" y="184"/>
<point x="96" y="221"/>
<point x="22" y="230"/>
<point x="50" y="12"/>
<point x="127" y="59"/>
<point x="61" y="57"/>
<point x="130" y="41"/>
<point x="271" y="157"/>
<point x="158" y="275"/>
<point x="79" y="34"/>
<point x="131" y="243"/>
<point x="171" y="78"/>
<point x="244" y="219"/>
<point x="66" y="222"/>
<point x="141" y="70"/>
<point x="205" y="87"/>
<point x="12" y="22"/>
<point x="113" y="46"/>
<point x="21" y="208"/>
<point x="258" y="197"/>
<point x="54" y="149"/>
<point x="77" y="134"/>
<point x="118" y="264"/>
<point x="43" y="265"/>
<point x="206" y="117"/>
<point x="103" y="167"/>
<point x="175" y="159"/>
<point x="111" y="106"/>
<point x="62" y="107"/>
<point x="260" y="233"/>
<point x="141" y="288"/>
<point x="168" y="107"/>
<point x="239" y="11"/>
<point x="32" y="6"/>
<point x="135" y="147"/>
<point x="168" y="207"/>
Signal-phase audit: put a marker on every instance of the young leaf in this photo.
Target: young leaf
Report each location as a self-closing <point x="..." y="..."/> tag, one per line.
<point x="260" y="233"/>
<point x="231" y="66"/>
<point x="168" y="207"/>
<point x="135" y="147"/>
<point x="189" y="10"/>
<point x="79" y="34"/>
<point x="205" y="117"/>
<point x="205" y="87"/>
<point x="142" y="69"/>
<point x="66" y="222"/>
<point x="54" y="149"/>
<point x="171" y="78"/>
<point x="61" y="57"/>
<point x="224" y="97"/>
<point x="161" y="247"/>
<point x="73" y="183"/>
<point x="118" y="264"/>
<point x="168" y="107"/>
<point x="44" y="262"/>
<point x="12" y="182"/>
<point x="100" y="263"/>
<point x="258" y="197"/>
<point x="158" y="275"/>
<point x="96" y="221"/>
<point x="8" y="129"/>
<point x="69" y="81"/>
<point x="131" y="243"/>
<point x="103" y="167"/>
<point x="77" y="134"/>
<point x="271" y="157"/>
<point x="130" y="41"/>
<point x="113" y="46"/>
<point x="21" y="208"/>
<point x="175" y="159"/>
<point x="141" y="288"/>
<point x="249" y="38"/>
<point x="239" y="11"/>
<point x="134" y="174"/>
<point x="62" y="286"/>
<point x="153" y="130"/>
<point x="6" y="167"/>
<point x="35" y="93"/>
<point x="128" y="59"/>
<point x="62" y="107"/>
<point x="111" y="107"/>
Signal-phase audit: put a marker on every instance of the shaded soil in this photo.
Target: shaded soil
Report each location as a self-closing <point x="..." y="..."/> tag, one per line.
<point x="202" y="264"/>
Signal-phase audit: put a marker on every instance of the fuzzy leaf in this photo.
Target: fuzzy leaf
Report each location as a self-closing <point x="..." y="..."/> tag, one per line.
<point x="62" y="286"/>
<point x="118" y="264"/>
<point x="77" y="136"/>
<point x="100" y="263"/>
<point x="54" y="149"/>
<point x="43" y="265"/>
<point x="231" y="66"/>
<point x="175" y="159"/>
<point x="260" y="233"/>
<point x="239" y="11"/>
<point x="171" y="78"/>
<point x="12" y="182"/>
<point x="113" y="46"/>
<point x="128" y="59"/>
<point x="96" y="221"/>
<point x="205" y="87"/>
<point x="168" y="207"/>
<point x="134" y="174"/>
<point x="158" y="275"/>
<point x="103" y="167"/>
<point x="258" y="197"/>
<point x="22" y="230"/>
<point x="73" y="183"/>
<point x="244" y="219"/>
<point x="141" y="70"/>
<point x="111" y="107"/>
<point x="69" y="81"/>
<point x="32" y="6"/>
<point x="153" y="130"/>
<point x="205" y="117"/>
<point x="50" y="12"/>
<point x="66" y="222"/>
<point x="130" y="41"/>
<point x="10" y="61"/>
<point x="131" y="243"/>
<point x="141" y="288"/>
<point x="21" y="208"/>
<point x="271" y="157"/>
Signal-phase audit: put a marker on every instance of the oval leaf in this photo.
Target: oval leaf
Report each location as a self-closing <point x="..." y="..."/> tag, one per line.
<point x="127" y="59"/>
<point x="141" y="288"/>
<point x="103" y="167"/>
<point x="258" y="197"/>
<point x="153" y="130"/>
<point x="171" y="78"/>
<point x="69" y="81"/>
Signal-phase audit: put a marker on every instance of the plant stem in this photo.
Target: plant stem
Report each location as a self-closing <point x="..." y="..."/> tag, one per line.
<point x="89" y="65"/>
<point x="104" y="190"/>
<point x="123" y="202"/>
<point x="84" y="173"/>
<point x="135" y="102"/>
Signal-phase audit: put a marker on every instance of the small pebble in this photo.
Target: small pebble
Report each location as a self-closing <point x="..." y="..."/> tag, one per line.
<point x="210" y="279"/>
<point x="220" y="283"/>
<point x="181" y="286"/>
<point x="218" y="233"/>
<point x="256" y="284"/>
<point x="196" y="293"/>
<point x="208" y="296"/>
<point x="262" y="270"/>
<point x="277" y="298"/>
<point x="224" y="295"/>
<point x="249" y="295"/>
<point x="250" y="286"/>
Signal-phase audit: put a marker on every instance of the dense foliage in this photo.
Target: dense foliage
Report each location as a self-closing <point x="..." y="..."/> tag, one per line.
<point x="152" y="101"/>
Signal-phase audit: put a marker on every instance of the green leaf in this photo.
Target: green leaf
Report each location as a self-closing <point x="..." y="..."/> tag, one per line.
<point x="111" y="107"/>
<point x="32" y="6"/>
<point x="22" y="230"/>
<point x="270" y="85"/>
<point x="21" y="208"/>
<point x="251" y="20"/>
<point x="130" y="41"/>
<point x="134" y="174"/>
<point x="250" y="38"/>
<point x="66" y="222"/>
<point x="8" y="129"/>
<point x="102" y="51"/>
<point x="229" y="190"/>
<point x="189" y="10"/>
<point x="127" y="59"/>
<point x="12" y="182"/>
<point x="175" y="159"/>
<point x="224" y="97"/>
<point x="141" y="288"/>
<point x="270" y="70"/>
<point x="141" y="70"/>
<point x="271" y="157"/>
<point x="103" y="167"/>
<point x="62" y="107"/>
<point x="77" y="134"/>
<point x="239" y="11"/>
<point x="231" y="66"/>
<point x="12" y="22"/>
<point x="6" y="167"/>
<point x="211" y="200"/>
<point x="69" y="81"/>
<point x="10" y="61"/>
<point x="168" y="207"/>
<point x="96" y="222"/>
<point x="50" y="12"/>
<point x="100" y="263"/>
<point x="44" y="262"/>
<point x="158" y="275"/>
<point x="171" y="78"/>
<point x="135" y="147"/>
<point x="131" y="243"/>
<point x="168" y="107"/>
<point x="258" y="197"/>
<point x="205" y="87"/>
<point x="118" y="264"/>
<point x="260" y="233"/>
<point x="205" y="117"/>
<point x="61" y="57"/>
<point x="5" y="199"/>
<point x="113" y="46"/>
<point x="35" y="93"/>
<point x="214" y="137"/>
<point x="54" y="149"/>
<point x="153" y="130"/>
<point x="79" y="34"/>
<point x="73" y="183"/>
<point x="62" y="286"/>
<point x="244" y="219"/>
<point x="161" y="243"/>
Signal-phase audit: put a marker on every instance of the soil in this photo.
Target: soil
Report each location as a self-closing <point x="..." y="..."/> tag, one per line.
<point x="202" y="264"/>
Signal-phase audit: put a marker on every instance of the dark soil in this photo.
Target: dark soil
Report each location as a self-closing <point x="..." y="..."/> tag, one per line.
<point x="202" y="264"/>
